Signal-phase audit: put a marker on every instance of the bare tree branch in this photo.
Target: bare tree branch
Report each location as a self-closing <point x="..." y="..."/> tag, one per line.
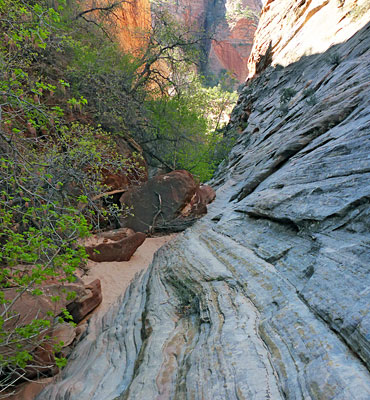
<point x="107" y="8"/>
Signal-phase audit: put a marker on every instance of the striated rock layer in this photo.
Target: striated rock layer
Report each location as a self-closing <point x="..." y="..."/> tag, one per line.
<point x="267" y="297"/>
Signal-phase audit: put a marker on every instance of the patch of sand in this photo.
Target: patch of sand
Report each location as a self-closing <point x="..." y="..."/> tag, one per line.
<point x="116" y="276"/>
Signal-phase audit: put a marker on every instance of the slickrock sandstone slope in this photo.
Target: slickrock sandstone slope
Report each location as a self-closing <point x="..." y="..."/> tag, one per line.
<point x="267" y="297"/>
<point x="289" y="30"/>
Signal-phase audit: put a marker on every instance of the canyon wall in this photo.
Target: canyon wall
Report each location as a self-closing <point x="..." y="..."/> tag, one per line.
<point x="267" y="297"/>
<point x="233" y="38"/>
<point x="129" y="21"/>
<point x="228" y="28"/>
<point x="133" y="24"/>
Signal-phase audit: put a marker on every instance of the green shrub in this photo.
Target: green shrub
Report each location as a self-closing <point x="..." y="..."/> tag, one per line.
<point x="51" y="176"/>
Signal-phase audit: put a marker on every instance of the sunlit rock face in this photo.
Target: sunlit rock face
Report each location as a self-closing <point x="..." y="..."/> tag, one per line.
<point x="133" y="24"/>
<point x="289" y="30"/>
<point x="267" y="297"/>
<point x="130" y="21"/>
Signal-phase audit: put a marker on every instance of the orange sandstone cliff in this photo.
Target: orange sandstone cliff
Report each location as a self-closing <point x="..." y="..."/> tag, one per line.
<point x="233" y="38"/>
<point x="227" y="27"/>
<point x="133" y="24"/>
<point x="130" y="21"/>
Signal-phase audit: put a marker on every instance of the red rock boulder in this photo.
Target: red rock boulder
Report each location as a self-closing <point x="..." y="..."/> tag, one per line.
<point x="21" y="308"/>
<point x="83" y="305"/>
<point x="206" y="194"/>
<point x="198" y="204"/>
<point x="26" y="306"/>
<point x="158" y="201"/>
<point x="116" y="250"/>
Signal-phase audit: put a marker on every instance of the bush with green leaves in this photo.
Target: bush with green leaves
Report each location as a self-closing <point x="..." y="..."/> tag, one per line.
<point x="51" y="179"/>
<point x="186" y="128"/>
<point x="38" y="243"/>
<point x="48" y="202"/>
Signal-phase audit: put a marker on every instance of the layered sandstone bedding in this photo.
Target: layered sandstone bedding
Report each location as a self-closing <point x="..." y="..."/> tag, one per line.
<point x="267" y="297"/>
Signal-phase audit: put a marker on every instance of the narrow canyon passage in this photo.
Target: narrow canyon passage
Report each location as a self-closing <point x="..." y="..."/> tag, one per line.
<point x="266" y="297"/>
<point x="185" y="200"/>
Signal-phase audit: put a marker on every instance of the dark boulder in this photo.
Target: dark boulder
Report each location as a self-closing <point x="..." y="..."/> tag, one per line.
<point x="158" y="201"/>
<point x="120" y="250"/>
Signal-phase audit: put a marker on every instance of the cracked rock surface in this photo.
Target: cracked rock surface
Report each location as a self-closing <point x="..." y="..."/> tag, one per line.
<point x="268" y="296"/>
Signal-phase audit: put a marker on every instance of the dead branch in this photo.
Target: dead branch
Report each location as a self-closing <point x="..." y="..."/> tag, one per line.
<point x="152" y="227"/>
<point x="107" y="8"/>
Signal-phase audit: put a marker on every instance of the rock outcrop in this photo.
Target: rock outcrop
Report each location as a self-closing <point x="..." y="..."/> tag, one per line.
<point x="267" y="297"/>
<point x="82" y="306"/>
<point x="48" y="306"/>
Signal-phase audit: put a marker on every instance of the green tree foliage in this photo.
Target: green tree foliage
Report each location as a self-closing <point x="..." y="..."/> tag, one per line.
<point x="51" y="177"/>
<point x="157" y="98"/>
<point x="186" y="128"/>
<point x="236" y="11"/>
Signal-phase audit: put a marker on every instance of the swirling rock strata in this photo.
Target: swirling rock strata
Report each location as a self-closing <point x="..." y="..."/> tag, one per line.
<point x="211" y="319"/>
<point x="267" y="297"/>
